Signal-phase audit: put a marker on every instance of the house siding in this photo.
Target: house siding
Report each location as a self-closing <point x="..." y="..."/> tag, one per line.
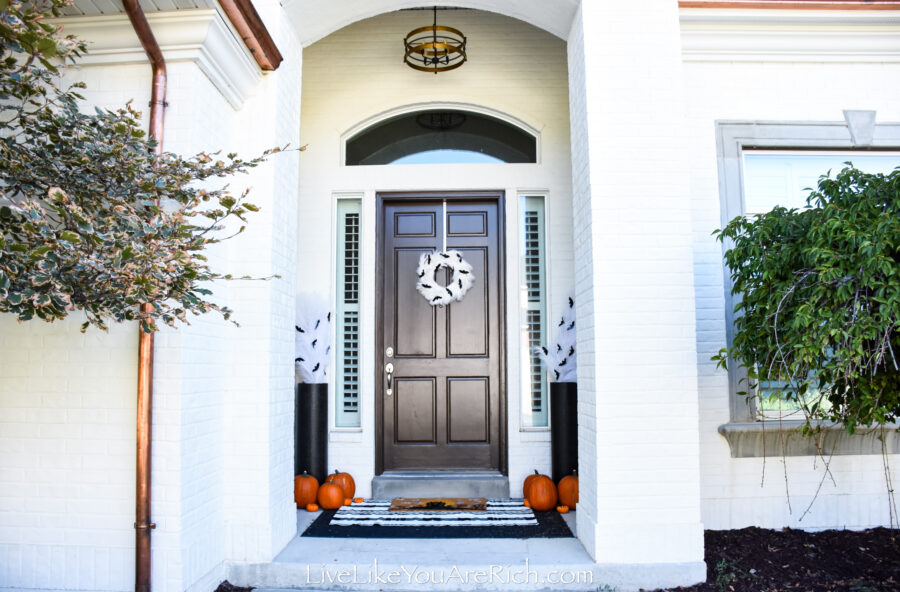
<point x="738" y="492"/>
<point x="223" y="395"/>
<point x="641" y="476"/>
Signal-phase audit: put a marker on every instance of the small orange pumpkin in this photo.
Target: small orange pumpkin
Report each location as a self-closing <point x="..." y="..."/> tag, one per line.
<point x="331" y="497"/>
<point x="568" y="490"/>
<point x="528" y="481"/>
<point x="348" y="501"/>
<point x="312" y="507"/>
<point x="542" y="493"/>
<point x="358" y="500"/>
<point x="526" y="503"/>
<point x="305" y="489"/>
<point x="562" y="509"/>
<point x="346" y="482"/>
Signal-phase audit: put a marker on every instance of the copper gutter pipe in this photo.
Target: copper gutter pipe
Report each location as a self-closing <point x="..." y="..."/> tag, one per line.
<point x="142" y="523"/>
<point x="253" y="32"/>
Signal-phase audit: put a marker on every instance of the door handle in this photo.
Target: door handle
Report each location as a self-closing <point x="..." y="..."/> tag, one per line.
<point x="389" y="369"/>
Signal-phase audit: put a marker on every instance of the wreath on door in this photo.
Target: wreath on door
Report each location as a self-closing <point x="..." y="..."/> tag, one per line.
<point x="460" y="282"/>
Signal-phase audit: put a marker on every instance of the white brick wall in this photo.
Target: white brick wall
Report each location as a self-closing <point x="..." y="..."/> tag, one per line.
<point x="66" y="455"/>
<point x="66" y="521"/>
<point x="514" y="69"/>
<point x="639" y="469"/>
<point x="732" y="496"/>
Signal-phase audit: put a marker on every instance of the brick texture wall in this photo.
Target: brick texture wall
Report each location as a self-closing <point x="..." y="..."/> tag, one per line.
<point x="736" y="492"/>
<point x="639" y="468"/>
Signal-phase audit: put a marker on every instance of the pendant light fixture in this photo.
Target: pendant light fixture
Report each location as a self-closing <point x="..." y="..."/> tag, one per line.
<point x="435" y="48"/>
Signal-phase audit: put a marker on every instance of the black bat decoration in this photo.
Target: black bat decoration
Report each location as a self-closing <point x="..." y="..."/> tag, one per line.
<point x="563" y="363"/>
<point x="297" y="327"/>
<point x="571" y="302"/>
<point x="299" y="360"/>
<point x="316" y="367"/>
<point x="556" y="372"/>
<point x="313" y="344"/>
<point x="570" y="327"/>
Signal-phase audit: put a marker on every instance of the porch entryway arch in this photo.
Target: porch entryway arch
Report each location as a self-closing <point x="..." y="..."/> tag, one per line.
<point x="313" y="20"/>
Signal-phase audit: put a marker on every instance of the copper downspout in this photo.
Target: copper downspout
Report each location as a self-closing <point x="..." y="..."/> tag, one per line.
<point x="253" y="32"/>
<point x="142" y="523"/>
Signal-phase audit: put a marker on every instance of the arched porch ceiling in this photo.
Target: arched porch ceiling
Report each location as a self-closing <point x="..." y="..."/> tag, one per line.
<point x="315" y="19"/>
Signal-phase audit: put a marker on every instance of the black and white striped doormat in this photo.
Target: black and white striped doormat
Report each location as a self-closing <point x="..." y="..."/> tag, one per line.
<point x="501" y="519"/>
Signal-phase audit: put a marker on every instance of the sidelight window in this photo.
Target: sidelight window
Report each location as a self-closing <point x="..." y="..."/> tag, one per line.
<point x="533" y="307"/>
<point x="347" y="329"/>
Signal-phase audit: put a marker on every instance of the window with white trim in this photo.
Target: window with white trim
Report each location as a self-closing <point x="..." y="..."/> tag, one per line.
<point x="533" y="310"/>
<point x="347" y="378"/>
<point x="768" y="164"/>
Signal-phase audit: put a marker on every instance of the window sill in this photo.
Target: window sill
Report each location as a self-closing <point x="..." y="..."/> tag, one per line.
<point x="754" y="440"/>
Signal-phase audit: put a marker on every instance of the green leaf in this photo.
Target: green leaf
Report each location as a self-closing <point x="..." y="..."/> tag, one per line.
<point x="72" y="237"/>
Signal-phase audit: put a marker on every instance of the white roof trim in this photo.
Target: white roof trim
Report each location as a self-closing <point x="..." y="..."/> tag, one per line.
<point x="752" y="35"/>
<point x="201" y="36"/>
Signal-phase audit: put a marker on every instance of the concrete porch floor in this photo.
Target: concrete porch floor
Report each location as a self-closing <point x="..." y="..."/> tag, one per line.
<point x="313" y="563"/>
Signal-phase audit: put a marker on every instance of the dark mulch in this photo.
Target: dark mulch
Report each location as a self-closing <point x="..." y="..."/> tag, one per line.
<point x="227" y="586"/>
<point x="760" y="560"/>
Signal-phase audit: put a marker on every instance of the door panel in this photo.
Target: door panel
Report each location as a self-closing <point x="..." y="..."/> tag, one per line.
<point x="445" y="410"/>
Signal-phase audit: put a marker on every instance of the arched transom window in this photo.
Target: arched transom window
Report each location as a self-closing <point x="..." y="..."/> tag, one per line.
<point x="441" y="137"/>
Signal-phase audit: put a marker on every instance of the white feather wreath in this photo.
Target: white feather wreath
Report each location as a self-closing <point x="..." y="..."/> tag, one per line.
<point x="435" y="293"/>
<point x="559" y="357"/>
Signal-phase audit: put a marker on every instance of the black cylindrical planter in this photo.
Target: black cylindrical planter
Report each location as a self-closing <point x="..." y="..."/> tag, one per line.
<point x="563" y="428"/>
<point x="311" y="430"/>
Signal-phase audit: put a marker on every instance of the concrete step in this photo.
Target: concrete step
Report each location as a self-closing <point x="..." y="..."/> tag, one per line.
<point x="391" y="484"/>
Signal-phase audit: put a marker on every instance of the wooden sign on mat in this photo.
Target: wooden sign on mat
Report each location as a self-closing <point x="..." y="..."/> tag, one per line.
<point x="405" y="504"/>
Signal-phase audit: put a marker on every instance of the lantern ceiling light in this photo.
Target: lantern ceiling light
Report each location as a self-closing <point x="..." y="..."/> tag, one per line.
<point x="435" y="48"/>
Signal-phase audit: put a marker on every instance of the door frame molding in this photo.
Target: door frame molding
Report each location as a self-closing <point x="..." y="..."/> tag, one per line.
<point x="495" y="195"/>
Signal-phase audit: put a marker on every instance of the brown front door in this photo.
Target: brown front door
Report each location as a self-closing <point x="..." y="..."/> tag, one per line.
<point x="445" y="410"/>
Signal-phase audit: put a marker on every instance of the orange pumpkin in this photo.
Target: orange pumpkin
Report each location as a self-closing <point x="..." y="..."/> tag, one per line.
<point x="345" y="480"/>
<point x="358" y="500"/>
<point x="305" y="489"/>
<point x="542" y="493"/>
<point x="528" y="481"/>
<point x="568" y="490"/>
<point x="312" y="507"/>
<point x="348" y="501"/>
<point x="526" y="503"/>
<point x="562" y="509"/>
<point x="331" y="496"/>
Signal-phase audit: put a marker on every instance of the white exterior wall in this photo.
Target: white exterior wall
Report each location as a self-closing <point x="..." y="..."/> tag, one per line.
<point x="223" y="396"/>
<point x="724" y="85"/>
<point x="514" y="71"/>
<point x="639" y="471"/>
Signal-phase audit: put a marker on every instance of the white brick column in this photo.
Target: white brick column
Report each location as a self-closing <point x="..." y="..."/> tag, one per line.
<point x="638" y="427"/>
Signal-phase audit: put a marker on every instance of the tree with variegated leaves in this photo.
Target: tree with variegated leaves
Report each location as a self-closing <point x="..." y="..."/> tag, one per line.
<point x="90" y="218"/>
